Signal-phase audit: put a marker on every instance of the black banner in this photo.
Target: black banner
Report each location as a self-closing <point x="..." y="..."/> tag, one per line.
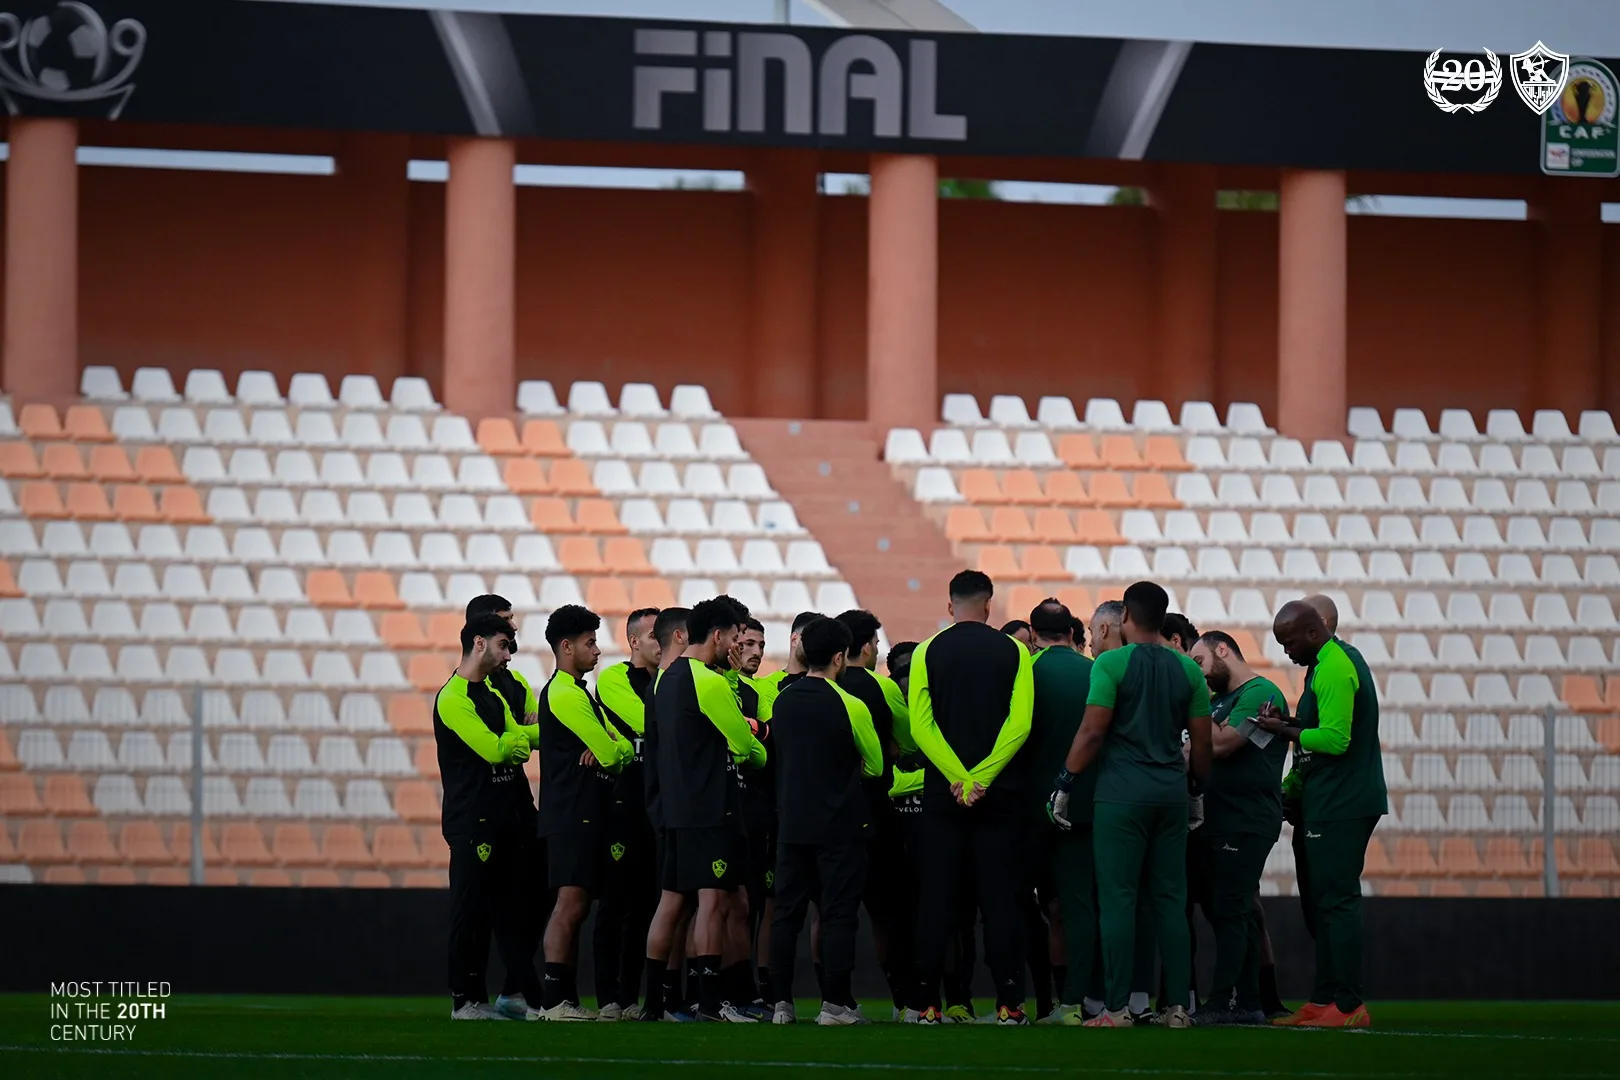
<point x="239" y="62"/>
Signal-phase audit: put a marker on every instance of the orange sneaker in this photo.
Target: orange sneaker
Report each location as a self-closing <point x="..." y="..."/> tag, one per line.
<point x="1333" y="1017"/>
<point x="1106" y="1019"/>
<point x="1308" y="1011"/>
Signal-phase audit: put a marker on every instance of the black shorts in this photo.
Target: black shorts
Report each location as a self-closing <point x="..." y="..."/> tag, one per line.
<point x="761" y="860"/>
<point x="577" y="859"/>
<point x="710" y="858"/>
<point x="665" y="864"/>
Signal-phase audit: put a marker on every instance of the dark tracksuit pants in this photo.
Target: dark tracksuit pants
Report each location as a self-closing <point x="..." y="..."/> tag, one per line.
<point x="1237" y="861"/>
<point x="1141" y="858"/>
<point x="625" y="906"/>
<point x="1337" y="851"/>
<point x="833" y="878"/>
<point x="986" y="840"/>
<point x="1074" y="873"/>
<point x="488" y="873"/>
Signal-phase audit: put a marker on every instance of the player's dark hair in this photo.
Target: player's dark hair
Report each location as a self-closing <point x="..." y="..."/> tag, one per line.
<point x="487" y="604"/>
<point x="1212" y="638"/>
<point x="863" y="626"/>
<point x="637" y="615"/>
<point x="1051" y="618"/>
<point x="823" y="640"/>
<point x="1146" y="604"/>
<point x="972" y="585"/>
<point x="1079" y="628"/>
<point x="1178" y="625"/>
<point x="805" y="618"/>
<point x="900" y="657"/>
<point x="717" y="613"/>
<point x="570" y="621"/>
<point x="754" y="624"/>
<point x="670" y="620"/>
<point x="488" y="625"/>
<point x="1011" y="628"/>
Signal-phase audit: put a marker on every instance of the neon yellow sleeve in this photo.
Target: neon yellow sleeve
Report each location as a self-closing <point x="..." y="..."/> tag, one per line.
<point x="614" y="691"/>
<point x="571" y="705"/>
<point x="1335" y="683"/>
<point x="767" y="701"/>
<point x="460" y="715"/>
<point x="719" y="703"/>
<point x="1015" y="729"/>
<point x="906" y="782"/>
<point x="899" y="711"/>
<point x="860" y="725"/>
<point x="924" y="731"/>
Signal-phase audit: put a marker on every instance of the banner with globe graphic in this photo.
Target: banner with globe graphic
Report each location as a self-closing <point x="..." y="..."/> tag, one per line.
<point x="225" y="63"/>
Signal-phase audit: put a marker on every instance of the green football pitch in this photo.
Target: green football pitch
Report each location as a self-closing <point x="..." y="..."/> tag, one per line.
<point x="394" y="1038"/>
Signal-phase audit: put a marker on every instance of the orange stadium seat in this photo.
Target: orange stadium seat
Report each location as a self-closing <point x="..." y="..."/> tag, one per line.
<point x="1164" y="454"/>
<point x="1021" y="600"/>
<point x="66" y="796"/>
<point x="135" y="504"/>
<point x="1247" y="645"/>
<point x="168" y="875"/>
<point x="1608" y="728"/>
<point x="218" y="875"/>
<point x="294" y="845"/>
<point x="1078" y="452"/>
<point x="1377" y="862"/>
<point x="1010" y="525"/>
<point x="543" y="438"/>
<point x="41" y="842"/>
<point x="1561" y="853"/>
<point x="39" y="421"/>
<point x="1119" y="452"/>
<point x="1109" y="489"/>
<point x="525" y="476"/>
<point x="653" y="592"/>
<point x="572" y="476"/>
<point x="408" y="714"/>
<point x="370" y="879"/>
<point x="141" y="843"/>
<point x="115" y="875"/>
<point x="549" y="514"/>
<point x="1459" y="857"/>
<point x="8" y="756"/>
<point x="156" y="465"/>
<point x="8" y="583"/>
<point x="1053" y="526"/>
<point x="1042" y="563"/>
<point x="1583" y="694"/>
<point x="1447" y="888"/>
<point x="607" y="596"/>
<point x="327" y="589"/>
<point x="1065" y="489"/>
<point x="498" y="435"/>
<point x="85" y="423"/>
<point x="626" y="555"/>
<point x="242" y="845"/>
<point x="402" y="631"/>
<point x="1596" y="858"/>
<point x="426" y="759"/>
<point x="1493" y="889"/>
<point x="396" y="848"/>
<point x="1612" y="697"/>
<point x="345" y="846"/>
<point x="1413" y="858"/>
<point x="599" y="518"/>
<point x="979" y="486"/>
<point x="183" y="506"/>
<point x="1504" y="857"/>
<point x="62" y="461"/>
<point x="1399" y="888"/>
<point x="111" y="465"/>
<point x="320" y="879"/>
<point x="1077" y="598"/>
<point x="424" y="879"/>
<point x="64" y="875"/>
<point x="1000" y="563"/>
<point x="580" y="555"/>
<point x="426" y="672"/>
<point x="965" y="525"/>
<point x="444" y="630"/>
<point x="17" y="461"/>
<point x="270" y="879"/>
<point x="1096" y="527"/>
<point x="89" y="842"/>
<point x="1152" y="490"/>
<point x="374" y="591"/>
<point x="1023" y="486"/>
<point x="1584" y="890"/>
<point x="434" y="849"/>
<point x="88" y="502"/>
<point x="41" y="499"/>
<point x="417" y="800"/>
<point x="8" y="850"/>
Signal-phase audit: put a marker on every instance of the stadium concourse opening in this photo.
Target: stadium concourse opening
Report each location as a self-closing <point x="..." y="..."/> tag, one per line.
<point x="832" y="534"/>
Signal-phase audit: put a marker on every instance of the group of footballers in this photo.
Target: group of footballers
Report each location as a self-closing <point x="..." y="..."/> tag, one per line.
<point x="1076" y="808"/>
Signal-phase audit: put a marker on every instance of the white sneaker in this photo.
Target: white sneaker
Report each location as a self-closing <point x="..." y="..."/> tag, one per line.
<point x="910" y="1016"/>
<point x="785" y="1013"/>
<point x="568" y="1010"/>
<point x="631" y="1011"/>
<point x="840" y="1015"/>
<point x="1176" y="1017"/>
<point x="477" y="1010"/>
<point x="516" y="1007"/>
<point x="610" y="1012"/>
<point x="733" y="1015"/>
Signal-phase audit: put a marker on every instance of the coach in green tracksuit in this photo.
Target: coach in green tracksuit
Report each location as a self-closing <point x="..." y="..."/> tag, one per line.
<point x="1142" y="697"/>
<point x="1339" y="777"/>
<point x="1242" y="818"/>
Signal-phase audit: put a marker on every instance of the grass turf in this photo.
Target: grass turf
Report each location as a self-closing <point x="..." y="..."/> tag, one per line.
<point x="397" y="1038"/>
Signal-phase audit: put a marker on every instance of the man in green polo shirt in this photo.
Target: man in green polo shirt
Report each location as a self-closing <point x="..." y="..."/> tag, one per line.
<point x="1142" y="697"/>
<point x="1242" y="818"/>
<point x="1339" y="775"/>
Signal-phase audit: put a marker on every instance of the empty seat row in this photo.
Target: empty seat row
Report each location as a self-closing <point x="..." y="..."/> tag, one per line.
<point x="949" y="446"/>
<point x="273" y="427"/>
<point x="1520" y="772"/>
<point x="188" y="665"/>
<point x="731" y="517"/>
<point x="630" y="439"/>
<point x="1498" y="652"/>
<point x="1494" y="459"/>
<point x="205" y="386"/>
<point x="673" y="557"/>
<point x="159" y="707"/>
<point x="1051" y="525"/>
<point x="324" y="507"/>
<point x="1490" y="690"/>
<point x="1468" y="813"/>
<point x="109" y="464"/>
<point x="1008" y="410"/>
<point x="235" y="752"/>
<point x="699" y="479"/>
<point x="1311" y="529"/>
<point x="260" y="796"/>
<point x="1403" y="493"/>
<point x="179" y="581"/>
<point x="161" y="620"/>
<point x="1502" y="425"/>
<point x="536" y="397"/>
<point x="340" y="469"/>
<point x="1499" y="856"/>
<point x="935" y="484"/>
<point x="46" y="500"/>
<point x="141" y="843"/>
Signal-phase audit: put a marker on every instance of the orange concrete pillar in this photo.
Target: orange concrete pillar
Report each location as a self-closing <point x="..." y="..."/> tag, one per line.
<point x="1184" y="197"/>
<point x="782" y="299"/>
<point x="902" y="290"/>
<point x="376" y="197"/>
<point x="480" y="268"/>
<point x="1312" y="299"/>
<point x="1569" y="312"/>
<point x="41" y="345"/>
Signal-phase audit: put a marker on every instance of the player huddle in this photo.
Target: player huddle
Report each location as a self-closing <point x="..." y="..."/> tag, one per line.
<point x="1077" y="808"/>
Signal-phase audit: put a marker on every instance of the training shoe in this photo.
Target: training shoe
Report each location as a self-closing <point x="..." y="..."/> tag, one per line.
<point x="1332" y="1017"/>
<point x="477" y="1010"/>
<point x="959" y="1014"/>
<point x="840" y="1015"/>
<point x="610" y="1012"/>
<point x="1106" y="1019"/>
<point x="758" y="1010"/>
<point x="1146" y="1016"/>
<point x="1308" y="1011"/>
<point x="1008" y="1016"/>
<point x="631" y="1011"/>
<point x="568" y="1011"/>
<point x="680" y="1016"/>
<point x="1227" y="1017"/>
<point x="909" y="1016"/>
<point x="516" y="1007"/>
<point x="933" y="1017"/>
<point x="785" y="1013"/>
<point x="1056" y="1016"/>
<point x="730" y="1014"/>
<point x="1176" y="1017"/>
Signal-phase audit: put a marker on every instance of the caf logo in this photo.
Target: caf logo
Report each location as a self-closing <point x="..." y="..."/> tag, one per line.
<point x="68" y="63"/>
